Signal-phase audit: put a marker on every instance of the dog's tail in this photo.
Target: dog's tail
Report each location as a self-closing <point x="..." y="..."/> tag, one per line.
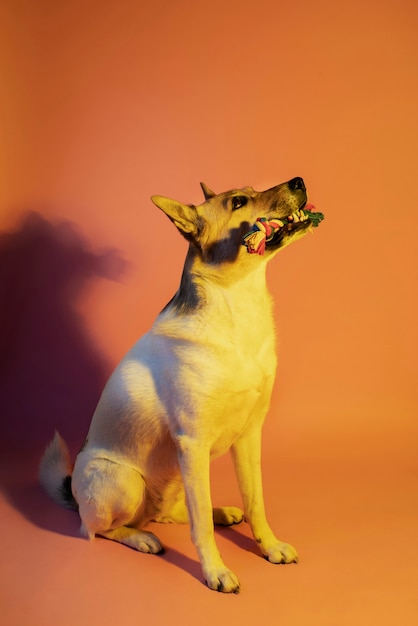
<point x="55" y="473"/>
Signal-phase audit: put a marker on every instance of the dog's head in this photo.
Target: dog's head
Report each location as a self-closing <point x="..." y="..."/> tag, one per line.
<point x="216" y="228"/>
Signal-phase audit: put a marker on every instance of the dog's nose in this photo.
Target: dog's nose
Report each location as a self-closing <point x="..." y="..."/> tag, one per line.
<point x="296" y="183"/>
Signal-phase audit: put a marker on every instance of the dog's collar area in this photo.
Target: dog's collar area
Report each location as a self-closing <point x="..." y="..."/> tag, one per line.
<point x="264" y="230"/>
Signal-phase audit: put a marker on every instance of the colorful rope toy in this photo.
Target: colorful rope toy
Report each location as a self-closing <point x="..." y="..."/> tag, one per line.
<point x="264" y="229"/>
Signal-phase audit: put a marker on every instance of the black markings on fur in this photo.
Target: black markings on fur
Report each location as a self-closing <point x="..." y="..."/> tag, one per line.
<point x="66" y="494"/>
<point x="187" y="299"/>
<point x="226" y="250"/>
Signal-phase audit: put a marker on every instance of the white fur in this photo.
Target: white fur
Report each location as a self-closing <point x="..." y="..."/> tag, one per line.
<point x="195" y="386"/>
<point x="56" y="465"/>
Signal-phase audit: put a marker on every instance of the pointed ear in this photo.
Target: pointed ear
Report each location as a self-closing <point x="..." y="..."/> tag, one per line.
<point x="208" y="193"/>
<point x="183" y="216"/>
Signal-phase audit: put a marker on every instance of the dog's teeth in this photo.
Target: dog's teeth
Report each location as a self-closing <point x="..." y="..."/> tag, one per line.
<point x="295" y="217"/>
<point x="280" y="223"/>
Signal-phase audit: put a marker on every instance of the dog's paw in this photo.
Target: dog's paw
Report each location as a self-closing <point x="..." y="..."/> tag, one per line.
<point x="140" y="540"/>
<point x="148" y="543"/>
<point x="227" y="515"/>
<point x="282" y="553"/>
<point x="223" y="580"/>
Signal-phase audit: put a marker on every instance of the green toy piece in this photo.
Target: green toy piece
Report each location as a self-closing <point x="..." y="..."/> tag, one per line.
<point x="315" y="217"/>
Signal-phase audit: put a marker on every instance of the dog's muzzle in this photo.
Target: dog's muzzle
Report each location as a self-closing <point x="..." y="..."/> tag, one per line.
<point x="273" y="231"/>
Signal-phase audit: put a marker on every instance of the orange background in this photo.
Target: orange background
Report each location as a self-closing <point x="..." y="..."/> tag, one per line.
<point x="104" y="104"/>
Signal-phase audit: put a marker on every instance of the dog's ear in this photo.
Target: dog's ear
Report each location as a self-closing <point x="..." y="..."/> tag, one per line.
<point x="183" y="216"/>
<point x="208" y="193"/>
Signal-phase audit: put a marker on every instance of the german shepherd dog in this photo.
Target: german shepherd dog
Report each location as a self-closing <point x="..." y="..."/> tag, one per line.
<point x="195" y="386"/>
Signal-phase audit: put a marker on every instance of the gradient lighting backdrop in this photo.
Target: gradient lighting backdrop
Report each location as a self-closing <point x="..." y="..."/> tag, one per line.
<point x="104" y="104"/>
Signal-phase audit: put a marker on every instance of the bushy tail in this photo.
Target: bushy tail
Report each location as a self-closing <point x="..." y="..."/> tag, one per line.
<point x="55" y="473"/>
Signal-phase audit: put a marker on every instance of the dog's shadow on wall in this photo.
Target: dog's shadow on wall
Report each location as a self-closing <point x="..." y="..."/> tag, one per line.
<point x="51" y="373"/>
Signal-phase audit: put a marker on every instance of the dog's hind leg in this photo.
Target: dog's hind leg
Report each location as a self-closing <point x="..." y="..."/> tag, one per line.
<point x="175" y="510"/>
<point x="111" y="498"/>
<point x="222" y="516"/>
<point x="227" y="515"/>
<point x="140" y="540"/>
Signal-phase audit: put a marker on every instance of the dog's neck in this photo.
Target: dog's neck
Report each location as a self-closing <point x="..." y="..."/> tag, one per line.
<point x="204" y="285"/>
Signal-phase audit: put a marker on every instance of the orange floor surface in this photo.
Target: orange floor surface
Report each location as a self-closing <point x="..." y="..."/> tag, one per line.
<point x="353" y="523"/>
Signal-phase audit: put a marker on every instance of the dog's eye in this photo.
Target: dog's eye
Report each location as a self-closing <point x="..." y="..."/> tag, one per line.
<point x="238" y="202"/>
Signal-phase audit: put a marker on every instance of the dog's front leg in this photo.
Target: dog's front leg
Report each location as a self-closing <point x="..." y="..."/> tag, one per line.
<point x="194" y="464"/>
<point x="246" y="453"/>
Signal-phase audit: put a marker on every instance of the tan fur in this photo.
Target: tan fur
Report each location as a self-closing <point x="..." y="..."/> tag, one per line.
<point x="195" y="386"/>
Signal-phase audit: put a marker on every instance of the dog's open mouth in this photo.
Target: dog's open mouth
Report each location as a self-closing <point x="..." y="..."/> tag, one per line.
<point x="272" y="233"/>
<point x="301" y="219"/>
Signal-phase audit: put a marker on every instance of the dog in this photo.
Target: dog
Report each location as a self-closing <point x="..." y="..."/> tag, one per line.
<point x="195" y="386"/>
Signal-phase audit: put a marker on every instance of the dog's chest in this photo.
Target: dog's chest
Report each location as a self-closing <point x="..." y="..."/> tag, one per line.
<point x="247" y="357"/>
<point x="248" y="366"/>
<point x="245" y="341"/>
<point x="218" y="365"/>
<point x="244" y="382"/>
<point x="227" y="364"/>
